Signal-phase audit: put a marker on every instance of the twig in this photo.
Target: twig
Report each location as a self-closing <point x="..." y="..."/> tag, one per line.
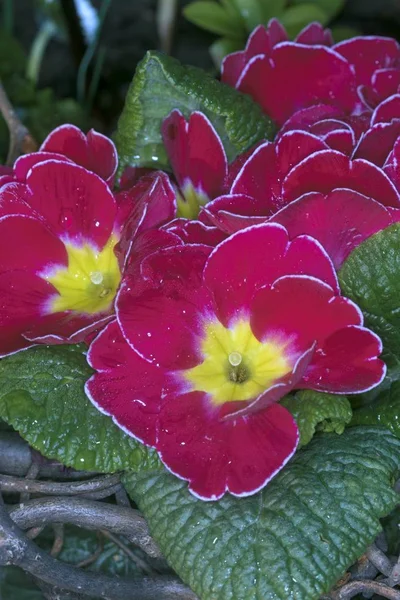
<point x="131" y="555"/>
<point x="122" y="498"/>
<point x="17" y="550"/>
<point x="91" y="559"/>
<point x="32" y="473"/>
<point x="359" y="587"/>
<point x="379" y="560"/>
<point x="91" y="486"/>
<point x="20" y="139"/>
<point x="58" y="543"/>
<point x="87" y="513"/>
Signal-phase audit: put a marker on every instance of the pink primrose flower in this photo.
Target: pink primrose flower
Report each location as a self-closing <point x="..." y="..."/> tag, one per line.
<point x="65" y="242"/>
<point x="284" y="76"/>
<point x="206" y="342"/>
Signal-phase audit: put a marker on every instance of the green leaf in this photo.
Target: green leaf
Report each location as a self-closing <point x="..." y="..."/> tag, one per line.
<point x="251" y="13"/>
<point x="385" y="410"/>
<point x="344" y="32"/>
<point x="295" y="18"/>
<point x="316" y="411"/>
<point x="12" y="55"/>
<point x="371" y="277"/>
<point x="162" y="84"/>
<point x="294" y="539"/>
<point x="272" y="8"/>
<point x="215" y="18"/>
<point x="15" y="584"/>
<point x="330" y="7"/>
<point x="220" y="48"/>
<point x="42" y="396"/>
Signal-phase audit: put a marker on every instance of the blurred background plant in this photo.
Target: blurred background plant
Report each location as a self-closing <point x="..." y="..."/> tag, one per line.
<point x="73" y="60"/>
<point x="234" y="20"/>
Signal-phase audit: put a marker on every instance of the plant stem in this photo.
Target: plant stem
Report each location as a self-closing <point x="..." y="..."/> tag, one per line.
<point x="38" y="48"/>
<point x="20" y="139"/>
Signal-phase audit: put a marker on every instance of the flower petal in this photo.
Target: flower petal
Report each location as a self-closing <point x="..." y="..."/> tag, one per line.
<point x="327" y="170"/>
<point x="256" y="257"/>
<point x="95" y="152"/>
<point x="347" y="363"/>
<point x="133" y="401"/>
<point x="196" y="152"/>
<point x="163" y="321"/>
<point x="75" y="202"/>
<point x="26" y="244"/>
<point x="195" y="232"/>
<point x="340" y="221"/>
<point x="239" y="456"/>
<point x="367" y="54"/>
<point x="299" y="76"/>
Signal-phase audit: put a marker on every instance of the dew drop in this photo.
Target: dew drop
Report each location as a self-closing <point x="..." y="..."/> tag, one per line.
<point x="235" y="358"/>
<point x="96" y="277"/>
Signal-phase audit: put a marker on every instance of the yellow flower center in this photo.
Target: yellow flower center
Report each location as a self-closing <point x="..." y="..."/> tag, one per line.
<point x="237" y="366"/>
<point x="90" y="281"/>
<point x="190" y="201"/>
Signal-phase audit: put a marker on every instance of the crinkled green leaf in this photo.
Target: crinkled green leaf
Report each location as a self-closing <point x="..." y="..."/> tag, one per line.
<point x="215" y="18"/>
<point x="162" y="84"/>
<point x="293" y="540"/>
<point x="371" y="277"/>
<point x="42" y="396"/>
<point x="316" y="411"/>
<point x="295" y="18"/>
<point x="385" y="410"/>
<point x="344" y="32"/>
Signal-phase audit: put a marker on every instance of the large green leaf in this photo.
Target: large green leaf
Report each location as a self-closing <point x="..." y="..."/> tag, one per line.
<point x="42" y="396"/>
<point x="162" y="84"/>
<point x="385" y="410"/>
<point x="371" y="277"/>
<point x="293" y="540"/>
<point x="316" y="411"/>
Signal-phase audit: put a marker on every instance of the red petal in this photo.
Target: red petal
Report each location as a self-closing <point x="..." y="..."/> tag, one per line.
<point x="164" y="322"/>
<point x="14" y="200"/>
<point x="74" y="202"/>
<point x="24" y="164"/>
<point x="377" y="143"/>
<point x="148" y="204"/>
<point x="256" y="257"/>
<point x="26" y="244"/>
<point x="196" y="152"/>
<point x="125" y="386"/>
<point x="299" y="76"/>
<point x="260" y="178"/>
<point x="314" y="34"/>
<point x="388" y="110"/>
<point x="23" y="296"/>
<point x="340" y="221"/>
<point x="347" y="363"/>
<point x="367" y="54"/>
<point x="327" y="170"/>
<point x="95" y="152"/>
<point x="300" y="310"/>
<point x="195" y="232"/>
<point x="234" y="212"/>
<point x="239" y="456"/>
<point x="261" y="41"/>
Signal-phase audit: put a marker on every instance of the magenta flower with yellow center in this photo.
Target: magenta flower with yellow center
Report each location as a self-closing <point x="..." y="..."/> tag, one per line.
<point x="207" y="342"/>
